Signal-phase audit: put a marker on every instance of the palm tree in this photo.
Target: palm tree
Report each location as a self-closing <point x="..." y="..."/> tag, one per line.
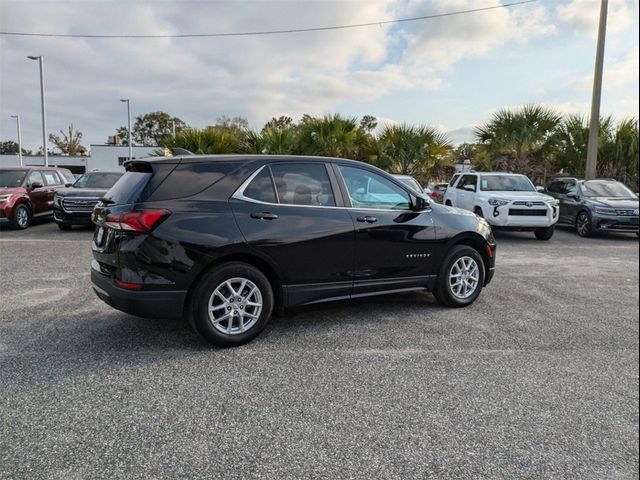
<point x="330" y="136"/>
<point x="414" y="150"/>
<point x="523" y="139"/>
<point x="210" y="140"/>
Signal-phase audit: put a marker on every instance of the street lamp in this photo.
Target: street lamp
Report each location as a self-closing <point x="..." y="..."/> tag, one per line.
<point x="44" y="109"/>
<point x="17" y="117"/>
<point x="126" y="100"/>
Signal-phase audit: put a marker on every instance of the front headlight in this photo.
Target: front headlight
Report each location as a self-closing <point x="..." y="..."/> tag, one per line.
<point x="496" y="202"/>
<point x="605" y="211"/>
<point x="57" y="200"/>
<point x="5" y="197"/>
<point x="554" y="202"/>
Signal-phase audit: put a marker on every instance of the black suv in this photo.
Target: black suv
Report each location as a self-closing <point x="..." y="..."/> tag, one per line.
<point x="73" y="206"/>
<point x="592" y="206"/>
<point x="223" y="240"/>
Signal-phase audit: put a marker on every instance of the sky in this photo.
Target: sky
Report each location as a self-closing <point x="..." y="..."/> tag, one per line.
<point x="451" y="72"/>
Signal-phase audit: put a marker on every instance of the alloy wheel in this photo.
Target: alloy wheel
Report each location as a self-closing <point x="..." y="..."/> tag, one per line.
<point x="582" y="224"/>
<point x="464" y="277"/>
<point x="22" y="217"/>
<point x="235" y="306"/>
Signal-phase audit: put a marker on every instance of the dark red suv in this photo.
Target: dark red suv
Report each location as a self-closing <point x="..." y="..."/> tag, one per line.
<point x="27" y="192"/>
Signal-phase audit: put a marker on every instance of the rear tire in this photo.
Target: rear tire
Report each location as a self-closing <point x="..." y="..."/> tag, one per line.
<point x="454" y="269"/>
<point x="583" y="224"/>
<point x="231" y="304"/>
<point x="21" y="217"/>
<point x="544" y="233"/>
<point x="478" y="211"/>
<point x="448" y="203"/>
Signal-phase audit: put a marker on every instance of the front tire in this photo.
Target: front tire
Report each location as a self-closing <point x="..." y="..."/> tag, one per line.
<point x="544" y="233"/>
<point x="583" y="224"/>
<point x="231" y="304"/>
<point x="461" y="277"/>
<point x="21" y="217"/>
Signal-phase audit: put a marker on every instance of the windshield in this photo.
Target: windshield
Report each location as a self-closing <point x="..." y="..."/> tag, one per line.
<point x="11" y="178"/>
<point x="600" y="188"/>
<point x="411" y="183"/>
<point x="506" y="183"/>
<point x="97" y="180"/>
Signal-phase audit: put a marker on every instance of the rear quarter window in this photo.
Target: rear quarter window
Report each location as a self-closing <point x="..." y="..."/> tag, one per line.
<point x="188" y="179"/>
<point x="128" y="188"/>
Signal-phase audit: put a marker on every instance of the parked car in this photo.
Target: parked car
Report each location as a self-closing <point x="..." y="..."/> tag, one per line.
<point x="27" y="192"/>
<point x="508" y="201"/>
<point x="410" y="182"/>
<point x="73" y="206"/>
<point x="224" y="239"/>
<point x="438" y="191"/>
<point x="592" y="206"/>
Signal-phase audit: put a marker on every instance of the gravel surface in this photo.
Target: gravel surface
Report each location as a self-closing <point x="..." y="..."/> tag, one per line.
<point x="539" y="378"/>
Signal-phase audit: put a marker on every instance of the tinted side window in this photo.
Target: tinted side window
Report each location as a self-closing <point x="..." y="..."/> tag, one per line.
<point x="570" y="188"/>
<point x="555" y="187"/>
<point x="187" y="179"/>
<point x="261" y="187"/>
<point x="370" y="190"/>
<point x="303" y="184"/>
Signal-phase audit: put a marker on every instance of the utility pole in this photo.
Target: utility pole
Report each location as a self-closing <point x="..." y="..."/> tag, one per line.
<point x="44" y="108"/>
<point x="594" y="123"/>
<point x="17" y="117"/>
<point x="126" y="100"/>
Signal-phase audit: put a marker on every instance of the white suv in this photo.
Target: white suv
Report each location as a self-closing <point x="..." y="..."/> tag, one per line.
<point x="506" y="200"/>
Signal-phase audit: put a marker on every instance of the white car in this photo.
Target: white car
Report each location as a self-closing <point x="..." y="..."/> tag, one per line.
<point x="507" y="201"/>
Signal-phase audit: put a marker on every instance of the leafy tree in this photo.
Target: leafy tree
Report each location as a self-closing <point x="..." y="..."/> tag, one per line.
<point x="239" y="123"/>
<point x="69" y="143"/>
<point x="152" y="129"/>
<point x="280" y="122"/>
<point x="368" y="123"/>
<point x="464" y="151"/>
<point x="10" y="147"/>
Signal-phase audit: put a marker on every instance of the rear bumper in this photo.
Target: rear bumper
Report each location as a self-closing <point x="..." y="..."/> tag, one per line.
<point x="147" y="304"/>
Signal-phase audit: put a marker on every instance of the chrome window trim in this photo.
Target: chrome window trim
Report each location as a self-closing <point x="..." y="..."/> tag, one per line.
<point x="239" y="195"/>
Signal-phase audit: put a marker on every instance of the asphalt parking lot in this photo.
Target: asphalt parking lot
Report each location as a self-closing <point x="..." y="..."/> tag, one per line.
<point x="539" y="378"/>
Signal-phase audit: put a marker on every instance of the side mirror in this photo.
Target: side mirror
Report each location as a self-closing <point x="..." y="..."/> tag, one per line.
<point x="540" y="189"/>
<point x="573" y="195"/>
<point x="419" y="203"/>
<point x="470" y="188"/>
<point x="68" y="184"/>
<point x="35" y="185"/>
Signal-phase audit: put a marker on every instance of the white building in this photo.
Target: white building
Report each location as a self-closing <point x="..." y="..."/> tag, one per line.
<point x="102" y="157"/>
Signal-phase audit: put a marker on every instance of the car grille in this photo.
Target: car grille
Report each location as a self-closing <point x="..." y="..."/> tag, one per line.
<point x="529" y="204"/>
<point x="79" y="204"/>
<point x="521" y="212"/>
<point x="626" y="212"/>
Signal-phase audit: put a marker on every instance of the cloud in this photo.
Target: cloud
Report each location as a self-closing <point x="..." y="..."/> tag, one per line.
<point x="618" y="73"/>
<point x="582" y="16"/>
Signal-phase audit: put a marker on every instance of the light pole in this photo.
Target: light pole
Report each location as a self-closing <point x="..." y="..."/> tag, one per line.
<point x="126" y="100"/>
<point x="594" y="123"/>
<point x="17" y="117"/>
<point x="44" y="109"/>
<point x="173" y="124"/>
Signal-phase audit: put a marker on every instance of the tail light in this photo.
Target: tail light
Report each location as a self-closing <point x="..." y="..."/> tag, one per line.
<point x="142" y="221"/>
<point x="434" y="194"/>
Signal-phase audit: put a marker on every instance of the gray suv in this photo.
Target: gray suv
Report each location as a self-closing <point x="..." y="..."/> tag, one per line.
<point x="592" y="206"/>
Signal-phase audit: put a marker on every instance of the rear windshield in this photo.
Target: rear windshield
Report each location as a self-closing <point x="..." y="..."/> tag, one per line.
<point x="128" y="188"/>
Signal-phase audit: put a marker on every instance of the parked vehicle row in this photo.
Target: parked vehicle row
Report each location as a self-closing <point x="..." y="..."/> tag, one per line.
<point x="37" y="192"/>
